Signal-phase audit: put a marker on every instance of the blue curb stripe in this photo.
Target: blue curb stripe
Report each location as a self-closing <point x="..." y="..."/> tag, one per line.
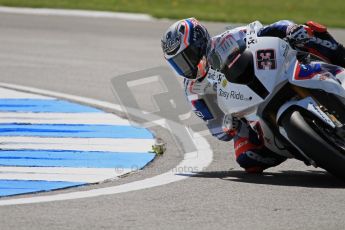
<point x="44" y="106"/>
<point x="81" y="131"/>
<point x="76" y="159"/>
<point x="15" y="187"/>
<point x="63" y="158"/>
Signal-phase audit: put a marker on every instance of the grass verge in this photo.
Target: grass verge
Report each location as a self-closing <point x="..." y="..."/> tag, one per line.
<point x="329" y="13"/>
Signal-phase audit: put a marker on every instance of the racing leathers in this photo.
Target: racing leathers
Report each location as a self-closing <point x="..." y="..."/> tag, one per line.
<point x="250" y="151"/>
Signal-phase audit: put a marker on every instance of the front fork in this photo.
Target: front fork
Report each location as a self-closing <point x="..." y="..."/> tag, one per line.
<point x="305" y="101"/>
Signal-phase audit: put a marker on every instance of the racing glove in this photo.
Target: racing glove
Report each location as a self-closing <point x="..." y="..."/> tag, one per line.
<point x="314" y="38"/>
<point x="231" y="125"/>
<point x="298" y="35"/>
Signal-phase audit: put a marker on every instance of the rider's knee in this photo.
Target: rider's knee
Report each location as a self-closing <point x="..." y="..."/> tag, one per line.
<point x="254" y="162"/>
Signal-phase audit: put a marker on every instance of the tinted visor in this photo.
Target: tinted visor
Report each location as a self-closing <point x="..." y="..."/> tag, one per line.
<point x="186" y="62"/>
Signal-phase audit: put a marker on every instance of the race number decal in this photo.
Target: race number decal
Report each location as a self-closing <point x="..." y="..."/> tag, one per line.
<point x="266" y="59"/>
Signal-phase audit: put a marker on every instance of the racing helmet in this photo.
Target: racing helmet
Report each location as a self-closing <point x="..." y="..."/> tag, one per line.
<point x="184" y="45"/>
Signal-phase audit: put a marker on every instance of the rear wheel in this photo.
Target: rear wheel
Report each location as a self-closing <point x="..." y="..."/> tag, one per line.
<point x="324" y="145"/>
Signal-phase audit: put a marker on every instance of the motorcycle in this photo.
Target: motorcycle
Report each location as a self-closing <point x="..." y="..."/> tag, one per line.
<point x="299" y="100"/>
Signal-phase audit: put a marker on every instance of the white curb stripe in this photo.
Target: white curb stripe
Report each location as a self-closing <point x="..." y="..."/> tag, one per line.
<point x="87" y="175"/>
<point x="63" y="118"/>
<point x="76" y="13"/>
<point x="15" y="179"/>
<point x="77" y="144"/>
<point x="197" y="161"/>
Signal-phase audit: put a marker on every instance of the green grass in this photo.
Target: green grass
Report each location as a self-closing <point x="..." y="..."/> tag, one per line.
<point x="330" y="13"/>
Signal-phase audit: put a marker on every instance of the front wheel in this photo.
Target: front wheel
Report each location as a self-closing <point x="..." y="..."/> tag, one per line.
<point x="317" y="141"/>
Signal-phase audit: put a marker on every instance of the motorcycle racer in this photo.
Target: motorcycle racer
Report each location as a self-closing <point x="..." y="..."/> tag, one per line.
<point x="191" y="52"/>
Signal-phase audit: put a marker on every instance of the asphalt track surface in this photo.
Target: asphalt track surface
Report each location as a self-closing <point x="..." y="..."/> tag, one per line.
<point x="80" y="56"/>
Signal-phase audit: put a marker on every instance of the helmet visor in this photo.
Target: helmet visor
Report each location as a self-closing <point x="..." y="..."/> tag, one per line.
<point x="186" y="62"/>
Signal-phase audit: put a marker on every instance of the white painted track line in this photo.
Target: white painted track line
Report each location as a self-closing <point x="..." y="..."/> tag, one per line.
<point x="76" y="13"/>
<point x="197" y="161"/>
<point x="87" y="175"/>
<point x="6" y="93"/>
<point x="63" y="118"/>
<point x="81" y="144"/>
<point x="88" y="101"/>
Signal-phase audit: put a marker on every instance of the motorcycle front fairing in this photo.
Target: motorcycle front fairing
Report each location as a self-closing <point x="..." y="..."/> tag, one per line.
<point x="258" y="71"/>
<point x="265" y="64"/>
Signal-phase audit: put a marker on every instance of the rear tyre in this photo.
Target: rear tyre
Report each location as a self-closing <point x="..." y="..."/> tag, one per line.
<point x="317" y="141"/>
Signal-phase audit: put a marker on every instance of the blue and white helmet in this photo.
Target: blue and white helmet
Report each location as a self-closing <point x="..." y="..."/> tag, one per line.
<point x="184" y="45"/>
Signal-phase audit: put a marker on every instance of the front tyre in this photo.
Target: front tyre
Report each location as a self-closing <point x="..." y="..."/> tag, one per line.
<point x="317" y="141"/>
